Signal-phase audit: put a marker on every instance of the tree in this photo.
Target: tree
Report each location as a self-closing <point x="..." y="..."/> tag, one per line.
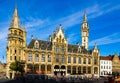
<point x="16" y="66"/>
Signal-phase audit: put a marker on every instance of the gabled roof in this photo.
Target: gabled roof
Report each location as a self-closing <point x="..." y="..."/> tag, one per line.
<point x="44" y="45"/>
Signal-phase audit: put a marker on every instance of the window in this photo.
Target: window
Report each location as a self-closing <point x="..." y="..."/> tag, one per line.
<point x="62" y="49"/>
<point x="57" y="58"/>
<point x="43" y="58"/>
<point x="49" y="58"/>
<point x="69" y="59"/>
<point x="57" y="49"/>
<point x="15" y="57"/>
<point x="95" y="61"/>
<point x="29" y="57"/>
<point x="74" y="59"/>
<point x="89" y="61"/>
<point x="15" y="51"/>
<point x="84" y="61"/>
<point x="109" y="67"/>
<point x="106" y="67"/>
<point x="62" y="59"/>
<point x="89" y="70"/>
<point x="36" y="58"/>
<point x="79" y="60"/>
<point x="101" y="67"/>
<point x="10" y="57"/>
<point x="84" y="69"/>
<point x="36" y="44"/>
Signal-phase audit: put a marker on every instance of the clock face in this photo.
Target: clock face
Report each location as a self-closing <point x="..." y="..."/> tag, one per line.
<point x="84" y="33"/>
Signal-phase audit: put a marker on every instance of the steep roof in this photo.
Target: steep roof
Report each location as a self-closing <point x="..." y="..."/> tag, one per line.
<point x="42" y="44"/>
<point x="105" y="58"/>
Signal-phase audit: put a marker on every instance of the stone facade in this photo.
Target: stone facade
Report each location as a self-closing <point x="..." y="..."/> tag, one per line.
<point x="115" y="64"/>
<point x="2" y="69"/>
<point x="53" y="57"/>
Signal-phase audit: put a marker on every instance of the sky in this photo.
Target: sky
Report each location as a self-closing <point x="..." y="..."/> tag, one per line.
<point x="42" y="17"/>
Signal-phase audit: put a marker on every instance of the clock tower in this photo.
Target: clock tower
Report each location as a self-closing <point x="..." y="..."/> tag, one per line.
<point x="85" y="32"/>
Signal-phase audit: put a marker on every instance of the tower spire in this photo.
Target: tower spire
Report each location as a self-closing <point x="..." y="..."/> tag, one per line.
<point x="15" y="20"/>
<point x="85" y="31"/>
<point x="85" y="18"/>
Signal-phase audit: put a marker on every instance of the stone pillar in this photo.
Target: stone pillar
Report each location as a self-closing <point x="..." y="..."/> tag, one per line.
<point x="87" y="69"/>
<point x="52" y="69"/>
<point x="71" y="69"/>
<point x="25" y="67"/>
<point x="40" y="68"/>
<point x="77" y="69"/>
<point x="45" y="69"/>
<point x="81" y="69"/>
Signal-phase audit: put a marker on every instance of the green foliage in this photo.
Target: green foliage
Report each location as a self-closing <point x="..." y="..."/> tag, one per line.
<point x="16" y="66"/>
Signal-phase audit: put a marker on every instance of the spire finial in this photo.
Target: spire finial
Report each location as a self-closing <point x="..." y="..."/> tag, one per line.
<point x="15" y="20"/>
<point x="85" y="18"/>
<point x="60" y="26"/>
<point x="95" y="45"/>
<point x="32" y="37"/>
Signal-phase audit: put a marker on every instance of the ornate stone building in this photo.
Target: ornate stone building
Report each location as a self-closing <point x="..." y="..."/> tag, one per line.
<point x="54" y="56"/>
<point x="115" y="64"/>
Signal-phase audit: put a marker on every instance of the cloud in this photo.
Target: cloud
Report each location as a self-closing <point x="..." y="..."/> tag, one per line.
<point x="34" y="22"/>
<point x="72" y="38"/>
<point x="114" y="38"/>
<point x="100" y="10"/>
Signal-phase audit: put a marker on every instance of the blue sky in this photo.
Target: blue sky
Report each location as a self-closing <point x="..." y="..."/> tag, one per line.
<point x="42" y="17"/>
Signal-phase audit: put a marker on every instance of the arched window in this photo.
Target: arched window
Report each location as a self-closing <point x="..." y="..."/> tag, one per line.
<point x="89" y="61"/>
<point x="79" y="60"/>
<point x="29" y="57"/>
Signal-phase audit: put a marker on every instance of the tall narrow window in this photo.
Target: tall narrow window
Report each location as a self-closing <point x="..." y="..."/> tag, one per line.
<point x="15" y="51"/>
<point x="57" y="58"/>
<point x="84" y="69"/>
<point x="15" y="57"/>
<point x="69" y="59"/>
<point x="62" y="59"/>
<point x="57" y="49"/>
<point x="43" y="58"/>
<point x="10" y="57"/>
<point x="89" y="61"/>
<point x="49" y="58"/>
<point x="29" y="57"/>
<point x="36" y="58"/>
<point x="84" y="61"/>
<point x="95" y="61"/>
<point x="79" y="60"/>
<point x="89" y="70"/>
<point x="62" y="49"/>
<point x="74" y="59"/>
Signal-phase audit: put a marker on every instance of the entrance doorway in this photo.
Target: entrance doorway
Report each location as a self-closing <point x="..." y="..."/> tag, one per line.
<point x="10" y="75"/>
<point x="60" y="71"/>
<point x="63" y="70"/>
<point x="56" y="70"/>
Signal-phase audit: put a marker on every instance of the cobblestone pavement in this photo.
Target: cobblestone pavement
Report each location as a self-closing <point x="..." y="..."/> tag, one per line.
<point x="53" y="81"/>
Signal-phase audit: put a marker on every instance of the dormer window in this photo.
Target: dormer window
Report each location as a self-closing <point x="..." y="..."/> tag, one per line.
<point x="36" y="44"/>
